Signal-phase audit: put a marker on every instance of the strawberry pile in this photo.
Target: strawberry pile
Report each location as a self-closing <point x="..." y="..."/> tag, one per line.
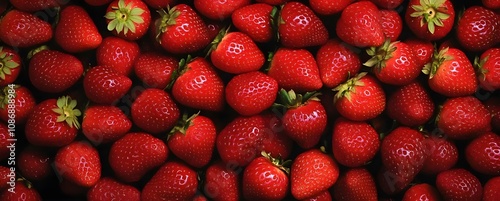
<point x="250" y="100"/>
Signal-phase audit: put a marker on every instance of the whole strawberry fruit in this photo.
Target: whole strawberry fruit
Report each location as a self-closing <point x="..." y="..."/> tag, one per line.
<point x="110" y="189"/>
<point x="459" y="184"/>
<point x="336" y="61"/>
<point x="392" y="24"/>
<point x="10" y="65"/>
<point x="24" y="102"/>
<point x="104" y="85"/>
<point x="488" y="69"/>
<point x="155" y="69"/>
<point x="422" y="49"/>
<point x="483" y="154"/>
<point x="21" y="29"/>
<point x="35" y="163"/>
<point x="24" y="191"/>
<point x="154" y="111"/>
<point x="128" y="19"/>
<point x="255" y="21"/>
<point x="78" y="163"/>
<point x="442" y="154"/>
<point x="273" y="186"/>
<point x="104" y="124"/>
<point x="173" y="181"/>
<point x="360" y="25"/>
<point x="410" y="105"/>
<point x="299" y="27"/>
<point x="222" y="182"/>
<point x="491" y="187"/>
<point x="76" y="32"/>
<point x="477" y="29"/>
<point x="430" y="20"/>
<point x="355" y="185"/>
<point x="118" y="54"/>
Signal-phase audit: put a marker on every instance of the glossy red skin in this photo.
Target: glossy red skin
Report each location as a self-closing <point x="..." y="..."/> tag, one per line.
<point x="262" y="180"/>
<point x="237" y="54"/>
<point x="422" y="50"/>
<point x="401" y="68"/>
<point x="155" y="111"/>
<point x="336" y="62"/>
<point x="79" y="163"/>
<point x="421" y="192"/>
<point x="25" y="102"/>
<point x="255" y="21"/>
<point x="301" y="27"/>
<point x="159" y="3"/>
<point x="392" y="24"/>
<point x="491" y="79"/>
<point x="459" y="184"/>
<point x="275" y="141"/>
<point x="305" y="124"/>
<point x="140" y="28"/>
<point x="155" y="69"/>
<point x="355" y="185"/>
<point x="104" y="85"/>
<point x="75" y="31"/>
<point x="222" y="182"/>
<point x="35" y="164"/>
<point x="328" y="7"/>
<point x="483" y="154"/>
<point x="324" y="196"/>
<point x="219" y="10"/>
<point x="117" y="53"/>
<point x="491" y="4"/>
<point x="493" y="105"/>
<point x="355" y="30"/>
<point x="442" y="154"/>
<point x="36" y="5"/>
<point x="109" y="189"/>
<point x="477" y="29"/>
<point x="4" y="141"/>
<point x="14" y="72"/>
<point x="173" y="181"/>
<point x="32" y="31"/>
<point x="388" y="4"/>
<point x="410" y="105"/>
<point x="105" y="124"/>
<point x="490" y="190"/>
<point x="22" y="193"/>
<point x="422" y="32"/>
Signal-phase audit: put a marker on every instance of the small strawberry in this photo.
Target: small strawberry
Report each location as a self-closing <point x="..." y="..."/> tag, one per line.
<point x="422" y="50"/>
<point x="355" y="185"/>
<point x="21" y="99"/>
<point x="483" y="154"/>
<point x="53" y="122"/>
<point x="488" y="69"/>
<point x="154" y="111"/>
<point x="5" y="140"/>
<point x="477" y="29"/>
<point x="157" y="4"/>
<point x="328" y="7"/>
<point x="76" y="32"/>
<point x="255" y="21"/>
<point x="493" y="106"/>
<point x="119" y="54"/>
<point x="36" y="5"/>
<point x="221" y="182"/>
<point x="430" y="20"/>
<point x="410" y="105"/>
<point x="218" y="10"/>
<point x="10" y="65"/>
<point x="442" y="154"/>
<point x="173" y="181"/>
<point x="490" y="190"/>
<point x="132" y="156"/>
<point x="35" y="164"/>
<point x="299" y="27"/>
<point x="104" y="124"/>
<point x="155" y="69"/>
<point x="392" y="24"/>
<point x="491" y="4"/>
<point x="459" y="184"/>
<point x="23" y="191"/>
<point x="21" y="29"/>
<point x="104" y="85"/>
<point x="387" y="4"/>
<point x="336" y="61"/>
<point x="109" y="189"/>
<point x="421" y="192"/>
<point x="128" y="19"/>
<point x="360" y="25"/>
<point x="312" y="172"/>
<point x="265" y="178"/>
<point x="78" y="163"/>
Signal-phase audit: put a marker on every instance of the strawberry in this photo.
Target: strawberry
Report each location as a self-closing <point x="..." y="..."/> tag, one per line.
<point x="251" y="93"/>
<point x="255" y="21"/>
<point x="132" y="156"/>
<point x="193" y="140"/>
<point x="430" y="20"/>
<point x="463" y="118"/>
<point x="421" y="192"/>
<point x="422" y="50"/>
<point x="10" y="65"/>
<point x="312" y="172"/>
<point x="236" y="53"/>
<point x="299" y="27"/>
<point x="21" y="98"/>
<point x="200" y="197"/>
<point x="53" y="71"/>
<point x="75" y="31"/>
<point x="98" y="2"/>
<point x="328" y="7"/>
<point x="53" y="122"/>
<point x="493" y="106"/>
<point x="21" y="29"/>
<point x="360" y="25"/>
<point x="221" y="182"/>
<point x="198" y="85"/>
<point x="295" y="69"/>
<point x="459" y="184"/>
<point x="410" y="105"/>
<point x="488" y="69"/>
<point x="265" y="178"/>
<point x="354" y="143"/>
<point x="173" y="181"/>
<point x="117" y="53"/>
<point x="157" y="4"/>
<point x="490" y="190"/>
<point x="37" y="5"/>
<point x="392" y="24"/>
<point x="181" y="30"/>
<point x="451" y="73"/>
<point x="4" y="178"/>
<point x="5" y="140"/>
<point x="483" y="154"/>
<point x="128" y="19"/>
<point x="104" y="124"/>
<point x="109" y="189"/>
<point x="104" y="85"/>
<point x="23" y="191"/>
<point x="324" y="196"/>
<point x="78" y="163"/>
<point x="388" y="4"/>
<point x="355" y="185"/>
<point x="154" y="111"/>
<point x="360" y="98"/>
<point x="155" y="69"/>
<point x="336" y="61"/>
<point x="442" y="154"/>
<point x="218" y="10"/>
<point x="477" y="29"/>
<point x="275" y="141"/>
<point x="35" y="164"/>
<point x="272" y="2"/>
<point x="491" y="4"/>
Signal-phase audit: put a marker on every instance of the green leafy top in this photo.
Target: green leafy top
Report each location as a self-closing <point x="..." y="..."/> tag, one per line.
<point x="380" y="54"/>
<point x="289" y="99"/>
<point x="167" y="19"/>
<point x="479" y="65"/>
<point x="183" y="124"/>
<point x="124" y="17"/>
<point x="278" y="162"/>
<point x="432" y="12"/>
<point x="6" y="63"/>
<point x="345" y="89"/>
<point x="67" y="111"/>
<point x="4" y="96"/>
<point x="437" y="59"/>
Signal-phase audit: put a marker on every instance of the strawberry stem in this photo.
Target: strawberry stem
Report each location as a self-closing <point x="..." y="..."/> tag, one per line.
<point x="124" y="17"/>
<point x="6" y="64"/>
<point x="345" y="89"/>
<point x="66" y="108"/>
<point x="432" y="13"/>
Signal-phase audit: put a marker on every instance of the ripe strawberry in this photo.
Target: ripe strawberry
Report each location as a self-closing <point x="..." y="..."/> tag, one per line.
<point x="104" y="85"/>
<point x="119" y="54"/>
<point x="155" y="69"/>
<point x="157" y="4"/>
<point x="388" y="4"/>
<point x="218" y="10"/>
<point x="4" y="178"/>
<point x="78" y="163"/>
<point x="36" y="5"/>
<point x="255" y="21"/>
<point x="251" y="93"/>
<point x="34" y="163"/>
<point x="265" y="178"/>
<point x="422" y="50"/>
<point x="324" y="196"/>
<point x="10" y="65"/>
<point x="98" y="2"/>
<point x="24" y="102"/>
<point x="360" y="25"/>
<point x="128" y="19"/>
<point x="221" y="182"/>
<point x="135" y="154"/>
<point x="410" y="105"/>
<point x="23" y="191"/>
<point x="477" y="29"/>
<point x="75" y="31"/>
<point x="5" y="140"/>
<point x="354" y="143"/>
<point x="451" y="73"/>
<point x="490" y="190"/>
<point x="488" y="69"/>
<point x="173" y="181"/>
<point x="493" y="106"/>
<point x="104" y="124"/>
<point x="355" y="185"/>
<point x="275" y="141"/>
<point x="53" y="71"/>
<point x="442" y="154"/>
<point x="312" y="172"/>
<point x="200" y="197"/>
<point x="491" y="4"/>
<point x="463" y="118"/>
<point x="483" y="154"/>
<point x="430" y="20"/>
<point x="421" y="192"/>
<point x="295" y="69"/>
<point x="459" y="184"/>
<point x="360" y="98"/>
<point x="299" y="27"/>
<point x="154" y="111"/>
<point x="53" y="123"/>
<point x="328" y="7"/>
<point x="21" y="29"/>
<point x="109" y="189"/>
<point x="392" y="24"/>
<point x="336" y="61"/>
<point x="198" y="85"/>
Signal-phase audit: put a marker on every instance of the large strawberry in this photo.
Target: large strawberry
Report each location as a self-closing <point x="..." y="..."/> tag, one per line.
<point x="410" y="105"/>
<point x="104" y="85"/>
<point x="104" y="124"/>
<point x="36" y="5"/>
<point x="477" y="28"/>
<point x="21" y="29"/>
<point x="255" y="21"/>
<point x="78" y="163"/>
<point x="430" y="20"/>
<point x="483" y="154"/>
<point x="459" y="184"/>
<point x="336" y="61"/>
<point x="488" y="69"/>
<point x="272" y="186"/>
<point x="392" y="24"/>
<point x="491" y="187"/>
<point x="155" y="69"/>
<point x="328" y="7"/>
<point x="422" y="191"/>
<point x="355" y="185"/>
<point x="422" y="50"/>
<point x="222" y="182"/>
<point x="24" y="191"/>
<point x="442" y="154"/>
<point x="35" y="164"/>
<point x="128" y="19"/>
<point x="10" y="65"/>
<point x="173" y="181"/>
<point x="21" y="99"/>
<point x="76" y="32"/>
<point x="117" y="53"/>
<point x="155" y="111"/>
<point x="360" y="25"/>
<point x="218" y="10"/>
<point x="110" y="189"/>
<point x="299" y="27"/>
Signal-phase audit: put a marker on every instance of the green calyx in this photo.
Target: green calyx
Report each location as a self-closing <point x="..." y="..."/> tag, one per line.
<point x="4" y="96"/>
<point x="6" y="64"/>
<point x="437" y="59"/>
<point x="167" y="19"/>
<point x="432" y="12"/>
<point x="276" y="20"/>
<point x="479" y="65"/>
<point x="345" y="89"/>
<point x="183" y="67"/>
<point x="67" y="111"/>
<point x="124" y="17"/>
<point x="380" y="55"/>
<point x="278" y="162"/>
<point x="213" y="45"/>
<point x="183" y="124"/>
<point x="289" y="99"/>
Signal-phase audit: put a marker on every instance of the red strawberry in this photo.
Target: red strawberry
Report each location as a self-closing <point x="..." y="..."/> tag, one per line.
<point x="299" y="27"/>
<point x="78" y="163"/>
<point x="173" y="181"/>
<point x="442" y="154"/>
<point x="354" y="143"/>
<point x="5" y="177"/>
<point x="490" y="190"/>
<point x="119" y="54"/>
<point x="324" y="196"/>
<point x="135" y="154"/>
<point x="451" y="73"/>
<point x="23" y="191"/>
<point x="35" y="163"/>
<point x="104" y="124"/>
<point x="255" y="21"/>
<point x="222" y="182"/>
<point x="463" y="118"/>
<point x="272" y="2"/>
<point x="53" y="122"/>
<point x="360" y="25"/>
<point x="430" y="20"/>
<point x="200" y="197"/>
<point x="410" y="105"/>
<point x="265" y="178"/>
<point x="154" y="111"/>
<point x="219" y="10"/>
<point x="459" y="184"/>
<point x="157" y="4"/>
<point x="251" y="93"/>
<point x="392" y="24"/>
<point x="476" y="29"/>
<point x="491" y="4"/>
<point x="360" y="98"/>
<point x="128" y="19"/>
<point x="75" y="31"/>
<point x="355" y="185"/>
<point x="312" y="172"/>
<point x="422" y="50"/>
<point x="98" y="2"/>
<point x="295" y="69"/>
<point x="214" y="27"/>
<point x="328" y="7"/>
<point x="10" y="65"/>
<point x="21" y="29"/>
<point x="275" y="141"/>
<point x="109" y="189"/>
<point x="488" y="69"/>
<point x="5" y="141"/>
<point x="388" y="4"/>
<point x="104" y="85"/>
<point x="336" y="61"/>
<point x="493" y="106"/>
<point x="421" y="192"/>
<point x="155" y="69"/>
<point x="53" y="71"/>
<point x="483" y="154"/>
<point x="36" y="5"/>
<point x="21" y="99"/>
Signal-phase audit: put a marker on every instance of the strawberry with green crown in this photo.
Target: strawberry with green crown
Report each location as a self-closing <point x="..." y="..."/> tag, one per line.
<point x="430" y="19"/>
<point x="10" y="65"/>
<point x="128" y="19"/>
